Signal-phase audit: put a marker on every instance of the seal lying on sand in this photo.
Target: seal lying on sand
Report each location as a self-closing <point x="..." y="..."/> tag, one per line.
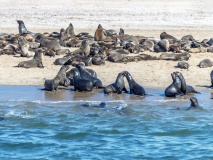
<point x="117" y="87"/>
<point x="205" y="63"/>
<point x="35" y="62"/>
<point x="86" y="75"/>
<point x="52" y="44"/>
<point x="134" y="87"/>
<point x="183" y="65"/>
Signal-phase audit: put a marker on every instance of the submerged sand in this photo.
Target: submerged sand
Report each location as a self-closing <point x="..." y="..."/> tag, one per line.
<point x="136" y="17"/>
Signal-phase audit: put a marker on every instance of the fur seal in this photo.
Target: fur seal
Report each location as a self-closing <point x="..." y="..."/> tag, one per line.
<point x="100" y="33"/>
<point x="52" y="44"/>
<point x="52" y="85"/>
<point x="22" y="29"/>
<point x="186" y="89"/>
<point x="70" y="30"/>
<point x="173" y="89"/>
<point x="134" y="87"/>
<point x="174" y="56"/>
<point x="92" y="72"/>
<point x="188" y="38"/>
<point x="64" y="81"/>
<point x="211" y="77"/>
<point x="194" y="104"/>
<point x="62" y="61"/>
<point x="169" y="37"/>
<point x="117" y="87"/>
<point x="205" y="63"/>
<point x="183" y="65"/>
<point x="24" y="47"/>
<point x="35" y="62"/>
<point x="121" y="32"/>
<point x="86" y="75"/>
<point x="81" y="84"/>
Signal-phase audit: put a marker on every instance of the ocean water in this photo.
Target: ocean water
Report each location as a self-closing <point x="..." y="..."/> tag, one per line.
<point x="36" y="124"/>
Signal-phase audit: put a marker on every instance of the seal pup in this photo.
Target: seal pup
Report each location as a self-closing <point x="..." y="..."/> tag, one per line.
<point x="84" y="49"/>
<point x="81" y="84"/>
<point x="173" y="89"/>
<point x="134" y="87"/>
<point x="117" y="87"/>
<point x="35" y="62"/>
<point x="183" y="65"/>
<point x="205" y="63"/>
<point x="86" y="75"/>
<point x="22" y="29"/>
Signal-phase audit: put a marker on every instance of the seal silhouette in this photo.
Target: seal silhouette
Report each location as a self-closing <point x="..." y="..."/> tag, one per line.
<point x="22" y="29"/>
<point x="134" y="87"/>
<point x="86" y="75"/>
<point x="117" y="87"/>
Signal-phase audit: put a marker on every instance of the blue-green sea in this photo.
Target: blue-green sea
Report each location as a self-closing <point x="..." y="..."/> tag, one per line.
<point x="65" y="125"/>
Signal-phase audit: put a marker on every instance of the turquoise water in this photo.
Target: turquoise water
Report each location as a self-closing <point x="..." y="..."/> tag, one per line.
<point x="65" y="125"/>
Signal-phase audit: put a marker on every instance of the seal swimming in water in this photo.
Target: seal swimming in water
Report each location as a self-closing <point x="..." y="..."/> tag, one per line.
<point x="194" y="104"/>
<point x="117" y="87"/>
<point x="81" y="84"/>
<point x="205" y="63"/>
<point x="35" y="62"/>
<point x="134" y="87"/>
<point x="86" y="75"/>
<point x="173" y="89"/>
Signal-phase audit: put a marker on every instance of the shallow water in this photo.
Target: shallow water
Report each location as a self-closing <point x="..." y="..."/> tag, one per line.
<point x="65" y="125"/>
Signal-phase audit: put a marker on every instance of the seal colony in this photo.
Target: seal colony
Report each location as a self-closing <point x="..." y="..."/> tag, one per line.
<point x="105" y="45"/>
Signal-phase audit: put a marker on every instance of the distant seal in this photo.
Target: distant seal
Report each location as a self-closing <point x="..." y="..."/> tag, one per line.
<point x="205" y="63"/>
<point x="99" y="33"/>
<point x="24" y="47"/>
<point x="173" y="89"/>
<point x="84" y="49"/>
<point x="22" y="29"/>
<point x="188" y="38"/>
<point x="35" y="62"/>
<point x="70" y="30"/>
<point x="183" y="65"/>
<point x="174" y="56"/>
<point x="117" y="87"/>
<point x="86" y="75"/>
<point x="121" y="32"/>
<point x="81" y="84"/>
<point x="169" y="37"/>
<point x="134" y="87"/>
<point x="211" y="77"/>
<point x="52" y="44"/>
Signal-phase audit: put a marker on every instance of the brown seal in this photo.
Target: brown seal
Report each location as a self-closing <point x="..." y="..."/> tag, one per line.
<point x="24" y="47"/>
<point x="100" y="33"/>
<point x="35" y="62"/>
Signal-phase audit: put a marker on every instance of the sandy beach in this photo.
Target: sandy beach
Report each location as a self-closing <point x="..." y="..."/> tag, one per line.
<point x="136" y="17"/>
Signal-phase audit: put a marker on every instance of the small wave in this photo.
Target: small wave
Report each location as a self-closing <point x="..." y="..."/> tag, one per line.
<point x="23" y="114"/>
